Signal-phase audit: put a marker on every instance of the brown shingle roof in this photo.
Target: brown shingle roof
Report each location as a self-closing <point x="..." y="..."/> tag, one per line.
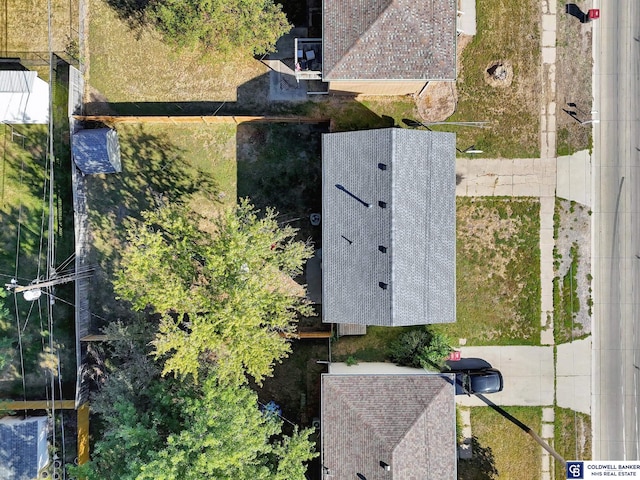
<point x="389" y="39"/>
<point x="405" y="421"/>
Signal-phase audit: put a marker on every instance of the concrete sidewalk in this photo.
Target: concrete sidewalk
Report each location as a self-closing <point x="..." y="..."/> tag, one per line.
<point x="518" y="177"/>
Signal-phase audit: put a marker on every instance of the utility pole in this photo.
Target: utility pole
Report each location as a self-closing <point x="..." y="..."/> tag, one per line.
<point x="525" y="428"/>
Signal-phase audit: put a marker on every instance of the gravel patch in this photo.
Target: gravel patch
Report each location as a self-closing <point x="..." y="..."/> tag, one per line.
<point x="572" y="223"/>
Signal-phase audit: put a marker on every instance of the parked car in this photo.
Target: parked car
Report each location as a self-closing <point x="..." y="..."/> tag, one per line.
<point x="471" y="382"/>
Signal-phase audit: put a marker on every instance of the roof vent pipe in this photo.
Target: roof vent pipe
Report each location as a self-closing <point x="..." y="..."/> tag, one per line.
<point x="383" y="285"/>
<point x="385" y="465"/>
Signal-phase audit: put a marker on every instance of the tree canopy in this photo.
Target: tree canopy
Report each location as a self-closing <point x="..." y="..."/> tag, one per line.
<point x="226" y="299"/>
<point x="221" y="25"/>
<point x="161" y="428"/>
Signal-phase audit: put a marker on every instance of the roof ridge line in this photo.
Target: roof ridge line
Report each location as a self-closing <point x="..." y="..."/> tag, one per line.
<point x="347" y="51"/>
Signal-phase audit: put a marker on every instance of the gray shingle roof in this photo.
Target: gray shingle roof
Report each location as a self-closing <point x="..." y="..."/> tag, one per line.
<point x="393" y="265"/>
<point x="405" y="421"/>
<point x="96" y="151"/>
<point x="389" y="39"/>
<point x="23" y="447"/>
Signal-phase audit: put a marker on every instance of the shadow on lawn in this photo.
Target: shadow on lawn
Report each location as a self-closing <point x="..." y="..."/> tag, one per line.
<point x="481" y="466"/>
<point x="155" y="173"/>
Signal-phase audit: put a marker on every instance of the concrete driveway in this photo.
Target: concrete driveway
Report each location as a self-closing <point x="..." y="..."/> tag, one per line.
<point x="528" y="374"/>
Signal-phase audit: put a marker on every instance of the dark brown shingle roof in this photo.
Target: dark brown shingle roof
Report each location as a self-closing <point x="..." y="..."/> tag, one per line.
<point x="389" y="39"/>
<point x="405" y="421"/>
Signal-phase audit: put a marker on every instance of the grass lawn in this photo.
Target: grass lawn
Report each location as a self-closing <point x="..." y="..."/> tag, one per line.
<point x="498" y="281"/>
<point x="192" y="164"/>
<point x="134" y="65"/>
<point x="371" y="347"/>
<point x="508" y="31"/>
<point x="25" y="25"/>
<point x="279" y="166"/>
<point x="572" y="437"/>
<point x="498" y="272"/>
<point x="24" y="208"/>
<point x="501" y="449"/>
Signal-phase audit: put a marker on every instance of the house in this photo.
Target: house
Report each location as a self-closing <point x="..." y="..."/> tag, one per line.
<point x="23" y="447"/>
<point x="389" y="227"/>
<point x="381" y="47"/>
<point x="24" y="98"/>
<point x="388" y="426"/>
<point x="96" y="151"/>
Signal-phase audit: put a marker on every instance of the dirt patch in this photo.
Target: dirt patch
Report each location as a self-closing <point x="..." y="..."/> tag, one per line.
<point x="438" y="100"/>
<point x="573" y="81"/>
<point x="572" y="271"/>
<point x="96" y="103"/>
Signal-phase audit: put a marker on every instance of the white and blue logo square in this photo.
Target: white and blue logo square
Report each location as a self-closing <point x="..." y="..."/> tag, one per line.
<point x="575" y="470"/>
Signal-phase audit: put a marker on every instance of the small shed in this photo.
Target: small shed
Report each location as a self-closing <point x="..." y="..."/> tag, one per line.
<point x="96" y="151"/>
<point x="23" y="447"/>
<point x="24" y="98"/>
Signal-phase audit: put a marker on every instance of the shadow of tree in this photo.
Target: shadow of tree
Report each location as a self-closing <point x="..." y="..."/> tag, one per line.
<point x="481" y="466"/>
<point x="154" y="173"/>
<point x="280" y="166"/>
<point x="130" y="11"/>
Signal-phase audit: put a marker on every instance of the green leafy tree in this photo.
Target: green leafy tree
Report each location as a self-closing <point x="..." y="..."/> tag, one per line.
<point x="225" y="299"/>
<point x="221" y="25"/>
<point x="226" y="436"/>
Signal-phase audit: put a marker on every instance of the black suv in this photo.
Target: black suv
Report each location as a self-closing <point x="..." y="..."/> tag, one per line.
<point x="486" y="380"/>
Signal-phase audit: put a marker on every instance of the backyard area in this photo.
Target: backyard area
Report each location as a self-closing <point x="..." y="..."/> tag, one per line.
<point x="128" y="74"/>
<point x="28" y="345"/>
<point x="188" y="164"/>
<point x="25" y="26"/>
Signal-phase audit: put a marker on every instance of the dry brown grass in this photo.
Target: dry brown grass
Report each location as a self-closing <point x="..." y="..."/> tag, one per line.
<point x="515" y="454"/>
<point x="507" y="31"/>
<point x="136" y="66"/>
<point x="24" y="25"/>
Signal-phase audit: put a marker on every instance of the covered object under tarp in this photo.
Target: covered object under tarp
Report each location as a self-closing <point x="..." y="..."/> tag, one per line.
<point x="96" y="151"/>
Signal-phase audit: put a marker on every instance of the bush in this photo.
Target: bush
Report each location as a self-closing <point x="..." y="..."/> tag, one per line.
<point x="222" y="26"/>
<point x="420" y="349"/>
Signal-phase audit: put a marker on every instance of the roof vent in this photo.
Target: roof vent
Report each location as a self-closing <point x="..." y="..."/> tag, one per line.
<point x="382" y="204"/>
<point x="382" y="166"/>
<point x="383" y="285"/>
<point x="382" y="248"/>
<point x="385" y="465"/>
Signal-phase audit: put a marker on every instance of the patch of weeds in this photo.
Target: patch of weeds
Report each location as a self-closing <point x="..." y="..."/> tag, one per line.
<point x="566" y="302"/>
<point x="572" y="437"/>
<point x="351" y="360"/>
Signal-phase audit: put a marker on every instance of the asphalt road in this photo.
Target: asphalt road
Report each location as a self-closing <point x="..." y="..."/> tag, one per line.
<point x="616" y="231"/>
